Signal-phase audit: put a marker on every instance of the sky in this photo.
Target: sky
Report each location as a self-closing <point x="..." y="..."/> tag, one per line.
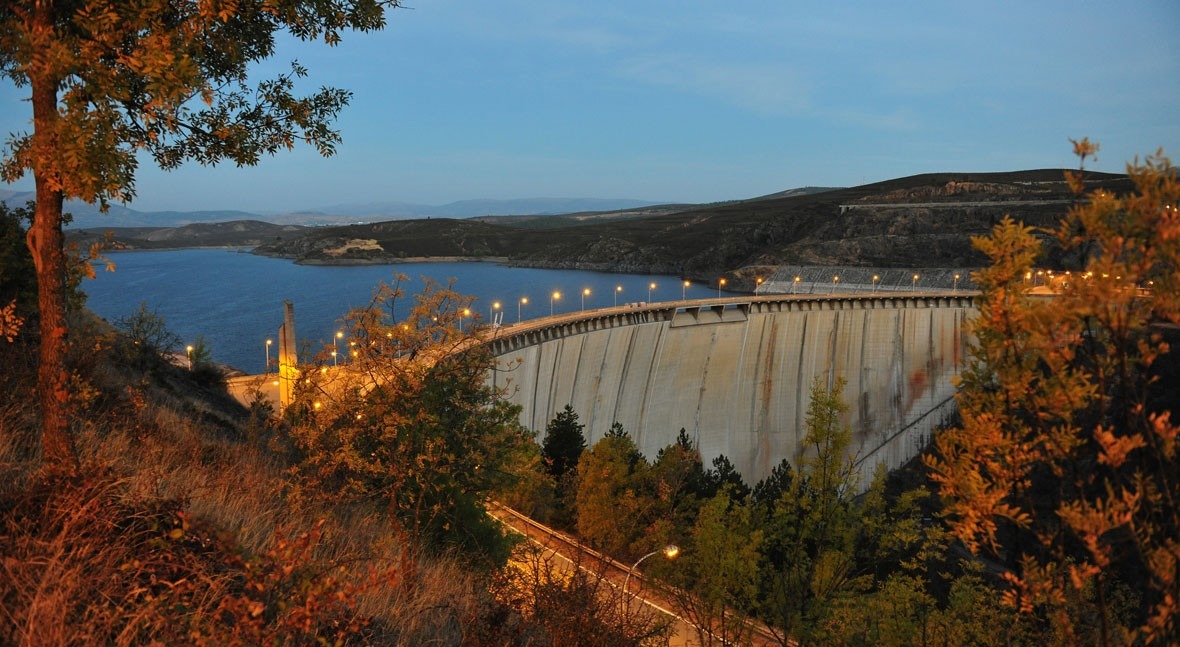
<point x="693" y="101"/>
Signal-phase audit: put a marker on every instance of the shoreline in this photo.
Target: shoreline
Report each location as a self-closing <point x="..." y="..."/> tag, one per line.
<point x="249" y="249"/>
<point x="406" y="260"/>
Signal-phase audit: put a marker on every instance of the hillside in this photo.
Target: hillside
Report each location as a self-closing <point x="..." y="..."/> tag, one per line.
<point x="236" y="233"/>
<point x="919" y="221"/>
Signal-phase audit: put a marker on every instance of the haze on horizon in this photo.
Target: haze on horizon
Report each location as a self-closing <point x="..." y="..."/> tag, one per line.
<point x="692" y="101"/>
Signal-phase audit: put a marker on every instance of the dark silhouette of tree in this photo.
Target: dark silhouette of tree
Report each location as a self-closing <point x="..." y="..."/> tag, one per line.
<point x="563" y="443"/>
<point x="771" y="488"/>
<point x="109" y="80"/>
<point x="723" y="474"/>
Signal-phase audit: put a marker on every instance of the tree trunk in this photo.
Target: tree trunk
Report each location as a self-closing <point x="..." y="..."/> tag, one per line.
<point x="46" y="243"/>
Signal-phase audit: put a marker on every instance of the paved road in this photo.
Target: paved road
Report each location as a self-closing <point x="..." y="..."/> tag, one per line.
<point x="639" y="593"/>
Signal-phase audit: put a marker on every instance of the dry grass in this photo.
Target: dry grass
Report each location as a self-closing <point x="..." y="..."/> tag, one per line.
<point x="178" y="531"/>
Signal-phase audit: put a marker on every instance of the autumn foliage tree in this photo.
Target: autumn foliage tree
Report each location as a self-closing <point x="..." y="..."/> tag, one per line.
<point x="409" y="430"/>
<point x="1065" y="468"/>
<point x="107" y="81"/>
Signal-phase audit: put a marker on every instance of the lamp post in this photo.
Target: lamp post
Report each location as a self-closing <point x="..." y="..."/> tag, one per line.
<point x="188" y="351"/>
<point x="523" y="301"/>
<point x="757" y="284"/>
<point x="465" y="313"/>
<point x="268" y="343"/>
<point x="795" y="285"/>
<point x="585" y="293"/>
<point x="684" y="290"/>
<point x="914" y="284"/>
<point x="650" y="287"/>
<point x="670" y="551"/>
<point x="492" y="311"/>
<point x="956" y="283"/>
<point x="618" y="289"/>
<point x="553" y="297"/>
<point x="720" y="284"/>
<point x="835" y="280"/>
<point x="875" y="278"/>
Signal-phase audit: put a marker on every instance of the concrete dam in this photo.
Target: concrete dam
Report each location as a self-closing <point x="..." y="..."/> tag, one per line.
<point x="736" y="373"/>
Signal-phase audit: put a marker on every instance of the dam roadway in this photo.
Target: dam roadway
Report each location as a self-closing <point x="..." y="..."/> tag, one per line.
<point x="736" y="373"/>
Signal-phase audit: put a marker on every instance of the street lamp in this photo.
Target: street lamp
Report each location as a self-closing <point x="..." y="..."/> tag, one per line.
<point x="523" y="301"/>
<point x="492" y="311"/>
<point x="466" y="313"/>
<point x="835" y="280"/>
<point x="757" y="284"/>
<point x="684" y="289"/>
<point x="553" y="297"/>
<point x="875" y="278"/>
<point x="268" y="343"/>
<point x="956" y="283"/>
<point x="650" y="287"/>
<point x="188" y="350"/>
<point x="670" y="551"/>
<point x="585" y="293"/>
<point x="618" y="289"/>
<point x="914" y="284"/>
<point x="795" y="285"/>
<point x="720" y="284"/>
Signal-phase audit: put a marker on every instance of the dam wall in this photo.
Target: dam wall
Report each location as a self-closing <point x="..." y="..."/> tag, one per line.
<point x="736" y="373"/>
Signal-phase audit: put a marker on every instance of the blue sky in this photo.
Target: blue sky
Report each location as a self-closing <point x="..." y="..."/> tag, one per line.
<point x="693" y="101"/>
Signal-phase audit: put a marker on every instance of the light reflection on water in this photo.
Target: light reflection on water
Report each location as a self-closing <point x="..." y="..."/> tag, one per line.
<point x="235" y="299"/>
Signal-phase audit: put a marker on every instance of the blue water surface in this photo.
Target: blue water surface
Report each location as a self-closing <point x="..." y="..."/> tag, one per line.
<point x="234" y="299"/>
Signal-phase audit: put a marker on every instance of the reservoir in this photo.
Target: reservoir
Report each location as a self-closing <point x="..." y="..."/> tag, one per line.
<point x="234" y="299"/>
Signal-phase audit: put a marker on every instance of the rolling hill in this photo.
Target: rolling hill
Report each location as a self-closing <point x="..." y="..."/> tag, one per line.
<point x="921" y="221"/>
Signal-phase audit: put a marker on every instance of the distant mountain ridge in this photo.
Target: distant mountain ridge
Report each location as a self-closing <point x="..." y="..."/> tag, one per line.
<point x="88" y="216"/>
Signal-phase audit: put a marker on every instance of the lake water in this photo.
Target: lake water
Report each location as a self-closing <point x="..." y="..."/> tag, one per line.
<point x="234" y="299"/>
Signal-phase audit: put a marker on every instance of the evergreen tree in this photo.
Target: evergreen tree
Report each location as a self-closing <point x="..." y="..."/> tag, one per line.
<point x="724" y="475"/>
<point x="678" y="487"/>
<point x="770" y="489"/>
<point x="563" y="444"/>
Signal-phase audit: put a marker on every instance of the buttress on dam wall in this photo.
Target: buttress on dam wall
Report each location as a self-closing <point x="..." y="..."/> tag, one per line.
<point x="736" y="374"/>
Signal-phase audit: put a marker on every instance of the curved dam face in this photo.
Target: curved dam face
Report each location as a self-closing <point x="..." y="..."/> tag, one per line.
<point x="736" y="373"/>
